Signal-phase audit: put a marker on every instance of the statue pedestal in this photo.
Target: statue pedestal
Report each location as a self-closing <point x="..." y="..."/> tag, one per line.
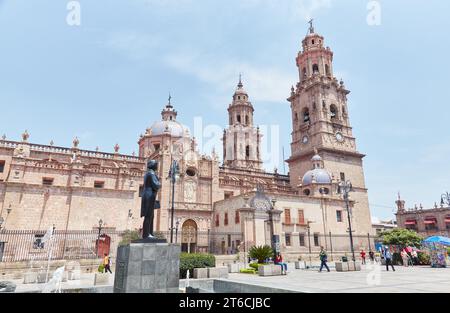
<point x="147" y="267"/>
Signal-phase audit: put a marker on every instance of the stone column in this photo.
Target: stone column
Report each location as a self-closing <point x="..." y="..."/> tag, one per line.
<point x="147" y="268"/>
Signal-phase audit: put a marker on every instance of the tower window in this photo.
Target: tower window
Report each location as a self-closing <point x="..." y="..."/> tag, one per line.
<point x="306" y="192"/>
<point x="333" y="111"/>
<point x="313" y="41"/>
<point x="239" y="97"/>
<point x="246" y="120"/>
<point x="238" y="118"/>
<point x="306" y="116"/>
<point x="339" y="216"/>
<point x="247" y="152"/>
<point x="99" y="184"/>
<point x="342" y="176"/>
<point x="304" y="72"/>
<point x="47" y="181"/>
<point x="316" y="240"/>
<point x="157" y="146"/>
<point x="302" y="240"/>
<point x="2" y="166"/>
<point x="316" y="69"/>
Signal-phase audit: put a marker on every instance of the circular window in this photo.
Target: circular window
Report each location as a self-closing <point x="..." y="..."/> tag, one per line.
<point x="306" y="192"/>
<point x="191" y="172"/>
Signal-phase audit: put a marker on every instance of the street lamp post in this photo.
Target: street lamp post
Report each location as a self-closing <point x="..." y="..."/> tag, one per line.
<point x="173" y="175"/>
<point x="345" y="187"/>
<point x="100" y="224"/>
<point x="308" y="227"/>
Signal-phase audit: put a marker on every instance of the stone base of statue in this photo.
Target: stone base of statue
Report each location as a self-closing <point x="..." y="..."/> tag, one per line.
<point x="148" y="266"/>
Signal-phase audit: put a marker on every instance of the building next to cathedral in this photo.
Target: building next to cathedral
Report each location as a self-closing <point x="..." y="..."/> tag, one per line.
<point x="235" y="202"/>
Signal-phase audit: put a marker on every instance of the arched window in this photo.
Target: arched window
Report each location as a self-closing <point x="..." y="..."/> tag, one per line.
<point x="315" y="69"/>
<point x="333" y="112"/>
<point x="306" y="192"/>
<point x="327" y="70"/>
<point x="246" y="120"/>
<point x="247" y="152"/>
<point x="304" y="73"/>
<point x="306" y="116"/>
<point x="238" y="118"/>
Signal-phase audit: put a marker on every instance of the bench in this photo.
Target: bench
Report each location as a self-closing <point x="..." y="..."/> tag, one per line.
<point x="269" y="270"/>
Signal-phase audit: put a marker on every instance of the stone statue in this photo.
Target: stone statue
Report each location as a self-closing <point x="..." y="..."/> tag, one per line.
<point x="149" y="202"/>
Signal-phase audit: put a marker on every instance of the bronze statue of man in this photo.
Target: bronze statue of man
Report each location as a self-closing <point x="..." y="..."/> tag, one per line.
<point x="149" y="203"/>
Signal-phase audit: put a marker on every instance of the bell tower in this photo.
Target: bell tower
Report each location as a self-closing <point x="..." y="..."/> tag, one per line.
<point x="241" y="141"/>
<point x="320" y="122"/>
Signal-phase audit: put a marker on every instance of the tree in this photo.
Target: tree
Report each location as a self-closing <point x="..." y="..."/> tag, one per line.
<point x="402" y="237"/>
<point x="261" y="253"/>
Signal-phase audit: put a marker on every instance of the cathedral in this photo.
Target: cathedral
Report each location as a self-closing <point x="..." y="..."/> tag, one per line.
<point x="219" y="205"/>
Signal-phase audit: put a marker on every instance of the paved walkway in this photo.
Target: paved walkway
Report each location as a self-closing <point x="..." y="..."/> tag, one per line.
<point x="369" y="280"/>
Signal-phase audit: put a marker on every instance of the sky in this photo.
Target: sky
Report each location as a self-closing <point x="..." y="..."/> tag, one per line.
<point x="107" y="79"/>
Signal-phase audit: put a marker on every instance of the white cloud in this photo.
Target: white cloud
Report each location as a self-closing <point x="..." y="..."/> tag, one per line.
<point x="262" y="83"/>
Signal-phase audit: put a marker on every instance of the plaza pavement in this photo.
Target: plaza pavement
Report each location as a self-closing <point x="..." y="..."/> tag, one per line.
<point x="423" y="279"/>
<point x="403" y="280"/>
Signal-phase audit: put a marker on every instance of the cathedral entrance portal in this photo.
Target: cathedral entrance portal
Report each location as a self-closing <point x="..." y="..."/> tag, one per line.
<point x="189" y="237"/>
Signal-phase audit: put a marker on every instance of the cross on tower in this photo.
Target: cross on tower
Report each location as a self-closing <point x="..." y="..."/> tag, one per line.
<point x="311" y="27"/>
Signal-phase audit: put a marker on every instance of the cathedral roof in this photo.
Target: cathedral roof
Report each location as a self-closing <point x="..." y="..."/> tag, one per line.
<point x="318" y="176"/>
<point x="174" y="128"/>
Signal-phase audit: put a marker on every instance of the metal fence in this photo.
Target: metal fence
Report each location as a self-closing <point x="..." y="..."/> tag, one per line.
<point x="28" y="245"/>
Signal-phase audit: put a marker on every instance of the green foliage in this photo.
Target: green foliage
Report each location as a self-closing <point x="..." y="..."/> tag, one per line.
<point x="424" y="258"/>
<point x="101" y="268"/>
<point x="256" y="266"/>
<point x="261" y="253"/>
<point x="248" y="271"/>
<point x="197" y="260"/>
<point x="129" y="236"/>
<point x="402" y="237"/>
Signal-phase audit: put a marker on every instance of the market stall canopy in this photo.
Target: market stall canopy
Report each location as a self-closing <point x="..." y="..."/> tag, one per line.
<point x="438" y="239"/>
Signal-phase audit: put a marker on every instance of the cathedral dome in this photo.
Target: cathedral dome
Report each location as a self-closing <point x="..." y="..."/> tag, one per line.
<point x="174" y="128"/>
<point x="319" y="175"/>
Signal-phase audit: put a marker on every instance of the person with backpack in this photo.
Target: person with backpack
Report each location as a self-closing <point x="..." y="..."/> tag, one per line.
<point x="107" y="263"/>
<point x="323" y="260"/>
<point x="388" y="258"/>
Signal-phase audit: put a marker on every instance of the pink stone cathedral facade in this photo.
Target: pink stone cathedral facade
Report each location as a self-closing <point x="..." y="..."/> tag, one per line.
<point x="72" y="188"/>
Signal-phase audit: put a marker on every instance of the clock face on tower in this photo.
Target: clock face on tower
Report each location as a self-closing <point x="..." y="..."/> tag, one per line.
<point x="340" y="137"/>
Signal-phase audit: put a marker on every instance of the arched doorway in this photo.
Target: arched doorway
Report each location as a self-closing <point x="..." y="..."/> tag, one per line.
<point x="189" y="237"/>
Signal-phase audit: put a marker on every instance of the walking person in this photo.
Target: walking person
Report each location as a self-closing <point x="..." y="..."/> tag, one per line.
<point x="107" y="263"/>
<point x="279" y="261"/>
<point x="372" y="256"/>
<point x="323" y="260"/>
<point x="363" y="257"/>
<point x="388" y="258"/>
